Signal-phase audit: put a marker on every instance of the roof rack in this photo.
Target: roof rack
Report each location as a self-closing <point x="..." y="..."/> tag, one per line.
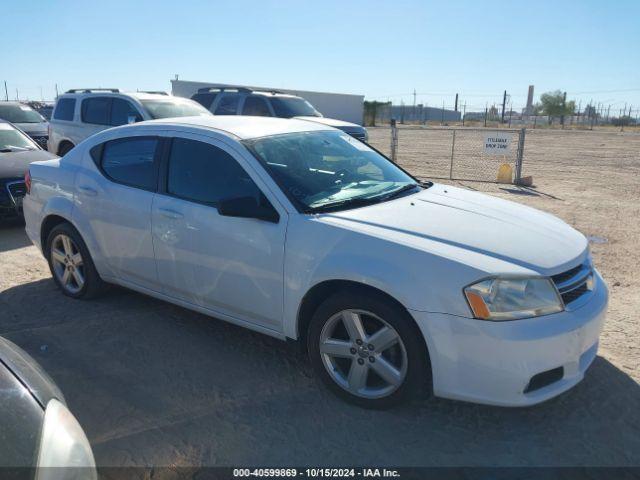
<point x="154" y="92"/>
<point x="222" y="88"/>
<point x="89" y="90"/>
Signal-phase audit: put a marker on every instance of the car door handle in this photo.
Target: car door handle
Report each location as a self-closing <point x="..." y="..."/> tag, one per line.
<point x="88" y="191"/>
<point x="165" y="212"/>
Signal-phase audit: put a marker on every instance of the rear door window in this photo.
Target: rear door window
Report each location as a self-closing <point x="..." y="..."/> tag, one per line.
<point x="131" y="161"/>
<point x="96" y="110"/>
<point x="205" y="99"/>
<point x="228" y="104"/>
<point x="256" y="106"/>
<point x="65" y="109"/>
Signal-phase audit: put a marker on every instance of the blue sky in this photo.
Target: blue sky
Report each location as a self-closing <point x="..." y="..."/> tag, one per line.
<point x="380" y="49"/>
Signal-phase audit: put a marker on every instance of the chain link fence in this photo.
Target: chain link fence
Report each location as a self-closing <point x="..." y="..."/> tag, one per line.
<point x="454" y="153"/>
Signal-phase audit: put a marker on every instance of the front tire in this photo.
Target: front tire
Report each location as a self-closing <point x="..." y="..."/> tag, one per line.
<point x="367" y="350"/>
<point x="70" y="263"/>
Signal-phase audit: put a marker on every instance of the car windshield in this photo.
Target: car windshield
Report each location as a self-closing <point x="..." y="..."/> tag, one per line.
<point x="174" y="108"/>
<point x="288" y="107"/>
<point x="12" y="140"/>
<point x="329" y="170"/>
<point x="20" y="114"/>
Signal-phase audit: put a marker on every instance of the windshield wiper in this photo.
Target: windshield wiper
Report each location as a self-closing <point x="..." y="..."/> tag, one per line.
<point x="12" y="148"/>
<point x="399" y="191"/>
<point x="350" y="202"/>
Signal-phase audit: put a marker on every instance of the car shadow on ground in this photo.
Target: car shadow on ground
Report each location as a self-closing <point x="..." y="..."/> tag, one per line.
<point x="12" y="235"/>
<point x="156" y="384"/>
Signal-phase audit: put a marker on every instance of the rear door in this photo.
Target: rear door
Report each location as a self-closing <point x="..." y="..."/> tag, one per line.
<point x="115" y="198"/>
<point x="94" y="115"/>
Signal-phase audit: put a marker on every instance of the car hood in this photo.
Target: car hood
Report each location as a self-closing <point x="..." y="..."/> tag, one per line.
<point x="16" y="164"/>
<point x="34" y="128"/>
<point x="446" y="220"/>
<point x="331" y="122"/>
<point x="29" y="372"/>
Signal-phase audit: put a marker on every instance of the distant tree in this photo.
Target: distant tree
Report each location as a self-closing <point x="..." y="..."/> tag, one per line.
<point x="624" y="120"/>
<point x="537" y="109"/>
<point x="553" y="105"/>
<point x="589" y="111"/>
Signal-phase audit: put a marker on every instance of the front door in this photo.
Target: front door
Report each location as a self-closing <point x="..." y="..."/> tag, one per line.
<point x="231" y="265"/>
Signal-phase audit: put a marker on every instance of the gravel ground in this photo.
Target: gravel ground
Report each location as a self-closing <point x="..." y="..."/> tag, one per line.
<point x="153" y="384"/>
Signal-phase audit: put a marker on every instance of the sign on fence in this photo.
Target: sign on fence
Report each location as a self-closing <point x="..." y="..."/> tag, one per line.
<point x="497" y="143"/>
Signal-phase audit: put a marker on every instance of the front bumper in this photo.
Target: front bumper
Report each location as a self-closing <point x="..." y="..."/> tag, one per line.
<point x="493" y="362"/>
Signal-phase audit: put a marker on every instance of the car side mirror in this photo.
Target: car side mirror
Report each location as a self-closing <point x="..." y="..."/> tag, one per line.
<point x="247" y="207"/>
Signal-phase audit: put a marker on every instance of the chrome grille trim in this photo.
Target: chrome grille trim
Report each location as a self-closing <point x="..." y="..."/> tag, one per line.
<point x="575" y="286"/>
<point x="12" y="189"/>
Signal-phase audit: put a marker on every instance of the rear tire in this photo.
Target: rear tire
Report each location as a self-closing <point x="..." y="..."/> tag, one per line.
<point x="368" y="350"/>
<point x="65" y="148"/>
<point x="70" y="263"/>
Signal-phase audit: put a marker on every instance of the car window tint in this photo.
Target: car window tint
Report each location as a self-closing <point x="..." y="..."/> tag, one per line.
<point x="228" y="104"/>
<point x="206" y="174"/>
<point x="96" y="110"/>
<point x="122" y="111"/>
<point x="204" y="99"/>
<point x="65" y="109"/>
<point x="131" y="161"/>
<point x="256" y="106"/>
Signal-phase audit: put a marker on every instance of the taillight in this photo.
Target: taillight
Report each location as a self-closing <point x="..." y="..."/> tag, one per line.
<point x="27" y="181"/>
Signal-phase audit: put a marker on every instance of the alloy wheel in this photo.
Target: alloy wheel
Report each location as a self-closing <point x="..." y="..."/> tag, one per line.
<point x="68" y="265"/>
<point x="363" y="354"/>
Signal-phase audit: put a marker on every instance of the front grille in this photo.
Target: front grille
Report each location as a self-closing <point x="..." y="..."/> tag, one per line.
<point x="41" y="140"/>
<point x="16" y="190"/>
<point x="575" y="285"/>
<point x="360" y="136"/>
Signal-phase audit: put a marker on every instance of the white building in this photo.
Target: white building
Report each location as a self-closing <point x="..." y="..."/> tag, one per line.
<point x="341" y="106"/>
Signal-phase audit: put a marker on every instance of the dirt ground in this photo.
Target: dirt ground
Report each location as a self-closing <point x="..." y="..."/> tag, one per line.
<point x="153" y="384"/>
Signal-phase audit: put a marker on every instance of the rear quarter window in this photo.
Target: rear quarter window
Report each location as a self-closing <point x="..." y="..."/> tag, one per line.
<point x="65" y="109"/>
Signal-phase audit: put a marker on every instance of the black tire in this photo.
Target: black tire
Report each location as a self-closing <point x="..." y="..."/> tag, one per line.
<point x="65" y="148"/>
<point x="417" y="379"/>
<point x="93" y="284"/>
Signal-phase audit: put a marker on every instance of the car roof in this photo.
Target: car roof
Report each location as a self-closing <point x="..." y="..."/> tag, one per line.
<point x="242" y="127"/>
<point x="12" y="103"/>
<point x="106" y="93"/>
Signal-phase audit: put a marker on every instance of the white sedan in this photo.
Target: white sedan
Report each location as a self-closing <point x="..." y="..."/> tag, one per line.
<point x="300" y="231"/>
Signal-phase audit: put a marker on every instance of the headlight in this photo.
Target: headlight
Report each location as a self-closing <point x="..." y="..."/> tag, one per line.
<point x="65" y="452"/>
<point x="511" y="298"/>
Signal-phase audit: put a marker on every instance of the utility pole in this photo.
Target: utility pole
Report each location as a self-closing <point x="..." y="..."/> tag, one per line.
<point x="510" y="113"/>
<point x="464" y="112"/>
<point x="56" y="91"/>
<point x="414" y="98"/>
<point x="455" y="107"/>
<point x="6" y="92"/>
<point x="504" y="103"/>
<point x="19" y="100"/>
<point x="442" y="117"/>
<point x="486" y="109"/>
<point x="564" y="108"/>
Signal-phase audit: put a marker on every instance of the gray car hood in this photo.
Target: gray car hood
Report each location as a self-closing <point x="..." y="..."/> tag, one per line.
<point x="16" y="164"/>
<point x="37" y="129"/>
<point x="331" y="122"/>
<point x="29" y="372"/>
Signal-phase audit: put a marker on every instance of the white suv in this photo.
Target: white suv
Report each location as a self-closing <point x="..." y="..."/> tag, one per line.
<point x="80" y="113"/>
<point x="300" y="231"/>
<point x="224" y="100"/>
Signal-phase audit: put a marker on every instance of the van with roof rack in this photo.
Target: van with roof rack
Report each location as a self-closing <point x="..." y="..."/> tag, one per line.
<point x="82" y="112"/>
<point x="236" y="100"/>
